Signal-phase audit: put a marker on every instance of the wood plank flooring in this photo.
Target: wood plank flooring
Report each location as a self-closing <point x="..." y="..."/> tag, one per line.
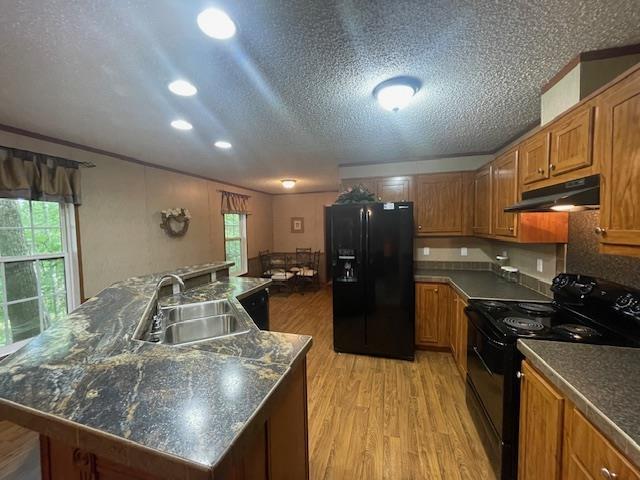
<point x="374" y="418"/>
<point x="369" y="418"/>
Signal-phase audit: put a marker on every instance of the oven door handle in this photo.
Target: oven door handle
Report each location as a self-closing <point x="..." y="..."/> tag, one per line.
<point x="484" y="364"/>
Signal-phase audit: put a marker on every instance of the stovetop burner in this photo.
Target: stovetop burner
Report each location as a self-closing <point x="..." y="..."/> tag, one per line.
<point x="577" y="332"/>
<point x="522" y="323"/>
<point x="537" y="308"/>
<point x="493" y="305"/>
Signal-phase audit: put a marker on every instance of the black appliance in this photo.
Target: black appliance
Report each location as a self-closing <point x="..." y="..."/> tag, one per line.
<point x="584" y="309"/>
<point x="580" y="194"/>
<point x="371" y="247"/>
<point x="257" y="306"/>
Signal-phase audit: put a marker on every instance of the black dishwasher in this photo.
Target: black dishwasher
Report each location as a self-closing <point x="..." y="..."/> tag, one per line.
<point x="257" y="306"/>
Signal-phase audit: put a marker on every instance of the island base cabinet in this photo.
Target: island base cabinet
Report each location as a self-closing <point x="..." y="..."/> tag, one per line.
<point x="273" y="447"/>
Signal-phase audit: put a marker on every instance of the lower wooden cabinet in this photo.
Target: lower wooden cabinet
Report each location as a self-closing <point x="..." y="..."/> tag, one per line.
<point x="458" y="338"/>
<point x="558" y="442"/>
<point x="432" y="315"/>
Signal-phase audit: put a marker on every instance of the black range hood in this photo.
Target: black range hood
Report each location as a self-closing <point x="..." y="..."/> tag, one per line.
<point x="580" y="194"/>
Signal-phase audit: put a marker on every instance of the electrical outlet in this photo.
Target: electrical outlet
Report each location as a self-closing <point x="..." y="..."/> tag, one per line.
<point x="425" y="251"/>
<point x="504" y="253"/>
<point x="539" y="265"/>
<point x="464" y="252"/>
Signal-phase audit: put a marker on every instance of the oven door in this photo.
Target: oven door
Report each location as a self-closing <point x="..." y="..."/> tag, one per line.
<point x="486" y="361"/>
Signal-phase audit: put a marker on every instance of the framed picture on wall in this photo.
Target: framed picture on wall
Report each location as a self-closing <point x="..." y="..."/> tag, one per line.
<point x="297" y="225"/>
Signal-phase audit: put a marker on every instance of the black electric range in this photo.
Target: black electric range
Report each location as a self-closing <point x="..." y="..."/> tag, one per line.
<point x="584" y="309"/>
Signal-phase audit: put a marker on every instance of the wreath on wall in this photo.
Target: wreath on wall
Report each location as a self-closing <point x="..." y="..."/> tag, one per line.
<point x="175" y="221"/>
<point x="356" y="194"/>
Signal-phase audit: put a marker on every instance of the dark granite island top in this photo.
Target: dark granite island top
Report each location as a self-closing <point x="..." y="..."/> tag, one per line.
<point x="168" y="410"/>
<point x="602" y="381"/>
<point x="480" y="285"/>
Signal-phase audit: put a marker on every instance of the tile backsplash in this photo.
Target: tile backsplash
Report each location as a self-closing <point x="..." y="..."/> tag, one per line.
<point x="583" y="254"/>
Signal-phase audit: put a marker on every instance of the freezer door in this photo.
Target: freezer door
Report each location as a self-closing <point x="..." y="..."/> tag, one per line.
<point x="389" y="279"/>
<point x="347" y="265"/>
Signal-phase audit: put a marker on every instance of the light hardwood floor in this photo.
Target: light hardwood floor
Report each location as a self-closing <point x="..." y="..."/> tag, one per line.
<point x="369" y="418"/>
<point x="374" y="418"/>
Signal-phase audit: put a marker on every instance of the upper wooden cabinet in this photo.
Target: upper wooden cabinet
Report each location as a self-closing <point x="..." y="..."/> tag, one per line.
<point x="572" y="141"/>
<point x="534" y="158"/>
<point x="505" y="193"/>
<point x="618" y="146"/>
<point x="394" y="189"/>
<point x="439" y="204"/>
<point x="482" y="201"/>
<point x="432" y="315"/>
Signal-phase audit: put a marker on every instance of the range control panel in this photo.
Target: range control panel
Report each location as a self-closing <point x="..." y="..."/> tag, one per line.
<point x="595" y="292"/>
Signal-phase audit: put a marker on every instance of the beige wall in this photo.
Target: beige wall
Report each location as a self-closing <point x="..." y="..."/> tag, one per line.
<point x="310" y="206"/>
<point x="120" y="216"/>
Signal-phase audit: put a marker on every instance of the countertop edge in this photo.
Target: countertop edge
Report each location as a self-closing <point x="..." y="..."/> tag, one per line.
<point x="445" y="278"/>
<point x="611" y="430"/>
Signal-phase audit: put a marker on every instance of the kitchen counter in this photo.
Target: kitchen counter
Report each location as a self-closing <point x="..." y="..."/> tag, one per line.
<point x="480" y="284"/>
<point x="88" y="382"/>
<point x="602" y="381"/>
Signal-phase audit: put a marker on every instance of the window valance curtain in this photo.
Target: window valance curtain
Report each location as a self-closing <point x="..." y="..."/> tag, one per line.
<point x="34" y="176"/>
<point x="234" y="203"/>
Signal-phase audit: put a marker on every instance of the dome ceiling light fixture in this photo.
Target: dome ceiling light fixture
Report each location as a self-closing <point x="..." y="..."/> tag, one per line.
<point x="216" y="24"/>
<point x="182" y="88"/>
<point x="222" y="144"/>
<point x="180" y="124"/>
<point x="396" y="93"/>
<point x="288" y="183"/>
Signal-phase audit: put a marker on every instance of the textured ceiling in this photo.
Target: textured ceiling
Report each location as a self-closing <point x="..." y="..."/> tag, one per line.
<point x="292" y="90"/>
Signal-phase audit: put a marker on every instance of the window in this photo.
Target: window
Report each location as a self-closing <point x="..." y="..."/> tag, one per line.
<point x="235" y="242"/>
<point x="38" y="268"/>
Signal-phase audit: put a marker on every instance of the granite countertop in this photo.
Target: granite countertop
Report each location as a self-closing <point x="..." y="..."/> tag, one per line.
<point x="602" y="381"/>
<point x="88" y="382"/>
<point x="480" y="285"/>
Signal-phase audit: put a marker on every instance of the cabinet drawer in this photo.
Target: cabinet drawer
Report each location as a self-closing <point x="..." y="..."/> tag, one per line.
<point x="591" y="455"/>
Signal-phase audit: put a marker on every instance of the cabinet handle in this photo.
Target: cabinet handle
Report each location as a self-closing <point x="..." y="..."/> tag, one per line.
<point x="419" y="227"/>
<point x="511" y="229"/>
<point x="519" y="375"/>
<point x="541" y="170"/>
<point x="552" y="167"/>
<point x="435" y="290"/>
<point x="600" y="231"/>
<point x="606" y="473"/>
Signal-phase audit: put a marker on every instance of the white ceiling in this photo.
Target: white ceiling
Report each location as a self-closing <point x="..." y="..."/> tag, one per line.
<point x="292" y="90"/>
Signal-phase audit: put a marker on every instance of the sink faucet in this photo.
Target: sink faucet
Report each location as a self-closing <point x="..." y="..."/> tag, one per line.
<point x="160" y="283"/>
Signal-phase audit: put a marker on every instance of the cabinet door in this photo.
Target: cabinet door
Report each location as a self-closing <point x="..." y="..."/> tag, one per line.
<point x="431" y="315"/>
<point x="461" y="347"/>
<point x="572" y="142"/>
<point x="541" y="417"/>
<point x="453" y="328"/>
<point x="618" y="144"/>
<point x="505" y="193"/>
<point x="393" y="189"/>
<point x="482" y="201"/>
<point x="589" y="455"/>
<point x="439" y="204"/>
<point x="534" y="158"/>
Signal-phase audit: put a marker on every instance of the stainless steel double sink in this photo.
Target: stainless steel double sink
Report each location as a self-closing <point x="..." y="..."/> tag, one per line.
<point x="195" y="322"/>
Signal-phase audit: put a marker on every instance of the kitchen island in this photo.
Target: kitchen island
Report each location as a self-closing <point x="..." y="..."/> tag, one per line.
<point x="111" y="406"/>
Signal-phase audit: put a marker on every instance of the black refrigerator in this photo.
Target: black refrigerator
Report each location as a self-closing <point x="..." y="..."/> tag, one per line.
<point x="371" y="248"/>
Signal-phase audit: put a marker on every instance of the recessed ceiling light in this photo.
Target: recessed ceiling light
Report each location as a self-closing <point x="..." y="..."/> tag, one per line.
<point x="216" y="24"/>
<point x="223" y="144"/>
<point x="181" y="124"/>
<point x="396" y="93"/>
<point x="288" y="183"/>
<point x="183" y="88"/>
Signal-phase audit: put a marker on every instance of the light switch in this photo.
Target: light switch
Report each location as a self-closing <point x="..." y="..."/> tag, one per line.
<point x="464" y="252"/>
<point x="425" y="251"/>
<point x="539" y="265"/>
